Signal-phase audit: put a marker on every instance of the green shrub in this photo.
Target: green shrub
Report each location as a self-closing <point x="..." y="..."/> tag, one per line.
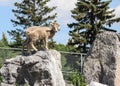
<point x="77" y="79"/>
<point x="1" y="79"/>
<point x="0" y="74"/>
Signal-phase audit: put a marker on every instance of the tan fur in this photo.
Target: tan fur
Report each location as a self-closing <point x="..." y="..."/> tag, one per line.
<point x="37" y="33"/>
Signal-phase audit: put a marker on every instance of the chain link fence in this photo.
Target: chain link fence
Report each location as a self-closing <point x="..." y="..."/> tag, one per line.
<point x="71" y="61"/>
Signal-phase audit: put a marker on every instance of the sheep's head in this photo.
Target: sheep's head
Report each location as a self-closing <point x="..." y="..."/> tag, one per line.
<point x="55" y="26"/>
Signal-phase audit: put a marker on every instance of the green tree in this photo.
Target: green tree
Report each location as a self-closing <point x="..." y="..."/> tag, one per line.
<point x="91" y="17"/>
<point x="4" y="41"/>
<point x="17" y="37"/>
<point x="30" y="13"/>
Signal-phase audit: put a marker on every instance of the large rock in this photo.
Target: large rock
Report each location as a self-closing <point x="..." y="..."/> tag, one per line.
<point x="40" y="69"/>
<point x="96" y="84"/>
<point x="103" y="60"/>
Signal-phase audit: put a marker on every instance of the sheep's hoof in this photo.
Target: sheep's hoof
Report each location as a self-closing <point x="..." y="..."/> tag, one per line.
<point x="46" y="49"/>
<point x="33" y="52"/>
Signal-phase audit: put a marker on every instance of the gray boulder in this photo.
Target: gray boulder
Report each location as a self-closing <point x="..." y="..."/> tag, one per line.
<point x="103" y="60"/>
<point x="40" y="69"/>
<point x="96" y="84"/>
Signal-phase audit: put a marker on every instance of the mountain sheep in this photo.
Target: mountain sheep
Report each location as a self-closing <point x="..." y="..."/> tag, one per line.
<point x="38" y="33"/>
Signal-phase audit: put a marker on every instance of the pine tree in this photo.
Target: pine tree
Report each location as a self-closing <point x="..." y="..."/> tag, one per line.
<point x="4" y="40"/>
<point x="17" y="37"/>
<point x="30" y="13"/>
<point x="91" y="17"/>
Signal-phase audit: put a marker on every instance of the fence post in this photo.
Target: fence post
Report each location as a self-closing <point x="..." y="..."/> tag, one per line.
<point x="81" y="62"/>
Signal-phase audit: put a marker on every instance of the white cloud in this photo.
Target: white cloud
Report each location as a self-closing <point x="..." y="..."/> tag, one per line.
<point x="63" y="4"/>
<point x="63" y="9"/>
<point x="117" y="11"/>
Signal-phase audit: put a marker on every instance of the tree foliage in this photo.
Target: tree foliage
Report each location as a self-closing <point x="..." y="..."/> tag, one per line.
<point x="91" y="17"/>
<point x="3" y="41"/>
<point x="30" y="13"/>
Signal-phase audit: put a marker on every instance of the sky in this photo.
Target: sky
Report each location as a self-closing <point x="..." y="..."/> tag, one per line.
<point x="63" y="17"/>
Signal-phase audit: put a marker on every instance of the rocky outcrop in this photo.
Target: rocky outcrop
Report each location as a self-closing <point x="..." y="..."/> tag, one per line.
<point x="40" y="69"/>
<point x="103" y="60"/>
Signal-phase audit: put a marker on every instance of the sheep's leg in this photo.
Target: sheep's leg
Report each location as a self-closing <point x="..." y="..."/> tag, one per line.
<point x="32" y="45"/>
<point x="23" y="47"/>
<point x="26" y="42"/>
<point x="46" y="43"/>
<point x="28" y="49"/>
